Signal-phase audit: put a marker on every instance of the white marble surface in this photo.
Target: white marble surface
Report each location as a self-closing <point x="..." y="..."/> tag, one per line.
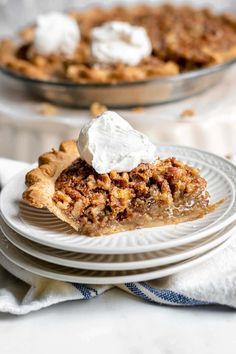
<point x="119" y="323"/>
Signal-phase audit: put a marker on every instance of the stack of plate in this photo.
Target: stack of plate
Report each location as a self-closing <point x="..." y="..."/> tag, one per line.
<point x="37" y="241"/>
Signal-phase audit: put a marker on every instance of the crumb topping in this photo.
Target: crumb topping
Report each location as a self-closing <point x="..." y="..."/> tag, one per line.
<point x="148" y="191"/>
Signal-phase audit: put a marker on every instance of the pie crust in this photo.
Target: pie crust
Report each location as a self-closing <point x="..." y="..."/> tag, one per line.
<point x="167" y="191"/>
<point x="40" y="181"/>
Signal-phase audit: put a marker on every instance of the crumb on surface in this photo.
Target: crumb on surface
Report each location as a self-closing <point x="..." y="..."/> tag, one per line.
<point x="138" y="109"/>
<point x="47" y="109"/>
<point x="96" y="109"/>
<point x="228" y="156"/>
<point x="187" y="113"/>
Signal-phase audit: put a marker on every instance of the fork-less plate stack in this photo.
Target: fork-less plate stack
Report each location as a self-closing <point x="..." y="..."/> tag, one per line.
<point x="37" y="241"/>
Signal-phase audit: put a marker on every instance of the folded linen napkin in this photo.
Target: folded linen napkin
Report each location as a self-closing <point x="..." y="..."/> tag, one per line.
<point x="212" y="282"/>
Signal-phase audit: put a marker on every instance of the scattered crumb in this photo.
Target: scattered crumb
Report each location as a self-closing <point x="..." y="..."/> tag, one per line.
<point x="187" y="113"/>
<point x="138" y="109"/>
<point x="47" y="109"/>
<point x="96" y="109"/>
<point x="228" y="156"/>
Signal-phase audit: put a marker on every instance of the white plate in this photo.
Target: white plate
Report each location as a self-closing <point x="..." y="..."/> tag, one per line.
<point x="42" y="227"/>
<point x="61" y="273"/>
<point x="116" y="262"/>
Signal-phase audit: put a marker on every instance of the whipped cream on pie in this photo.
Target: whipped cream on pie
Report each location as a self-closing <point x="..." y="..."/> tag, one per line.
<point x="56" y="33"/>
<point x="109" y="143"/>
<point x="119" y="42"/>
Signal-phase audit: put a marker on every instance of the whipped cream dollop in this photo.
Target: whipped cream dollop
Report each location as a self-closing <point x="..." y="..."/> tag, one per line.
<point x="109" y="143"/>
<point x="119" y="42"/>
<point x="56" y="33"/>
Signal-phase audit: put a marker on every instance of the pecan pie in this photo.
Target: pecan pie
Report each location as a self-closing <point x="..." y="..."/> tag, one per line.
<point x="183" y="39"/>
<point x="167" y="191"/>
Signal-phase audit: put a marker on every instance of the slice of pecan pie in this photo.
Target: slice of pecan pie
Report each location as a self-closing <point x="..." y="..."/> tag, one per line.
<point x="167" y="191"/>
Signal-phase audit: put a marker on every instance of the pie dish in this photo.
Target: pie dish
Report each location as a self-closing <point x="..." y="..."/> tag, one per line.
<point x="167" y="191"/>
<point x="183" y="39"/>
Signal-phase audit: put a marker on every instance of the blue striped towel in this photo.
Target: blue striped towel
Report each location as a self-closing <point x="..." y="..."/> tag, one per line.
<point x="212" y="282"/>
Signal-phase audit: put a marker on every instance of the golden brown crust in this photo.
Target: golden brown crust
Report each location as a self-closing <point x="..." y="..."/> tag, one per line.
<point x="40" y="181"/>
<point x="223" y="56"/>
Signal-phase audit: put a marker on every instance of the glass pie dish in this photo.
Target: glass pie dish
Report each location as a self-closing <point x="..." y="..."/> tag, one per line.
<point x="118" y="95"/>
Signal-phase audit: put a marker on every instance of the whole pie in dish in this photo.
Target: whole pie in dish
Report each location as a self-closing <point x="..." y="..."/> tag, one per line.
<point x="164" y="192"/>
<point x="183" y="38"/>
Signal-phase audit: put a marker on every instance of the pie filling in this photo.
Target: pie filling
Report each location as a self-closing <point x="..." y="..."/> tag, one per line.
<point x="183" y="38"/>
<point x="165" y="192"/>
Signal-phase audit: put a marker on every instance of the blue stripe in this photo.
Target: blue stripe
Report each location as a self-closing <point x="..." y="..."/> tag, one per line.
<point x="136" y="291"/>
<point x="93" y="290"/>
<point x="83" y="289"/>
<point x="173" y="297"/>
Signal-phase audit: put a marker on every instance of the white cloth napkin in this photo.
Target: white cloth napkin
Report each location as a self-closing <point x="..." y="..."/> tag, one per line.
<point x="212" y="282"/>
